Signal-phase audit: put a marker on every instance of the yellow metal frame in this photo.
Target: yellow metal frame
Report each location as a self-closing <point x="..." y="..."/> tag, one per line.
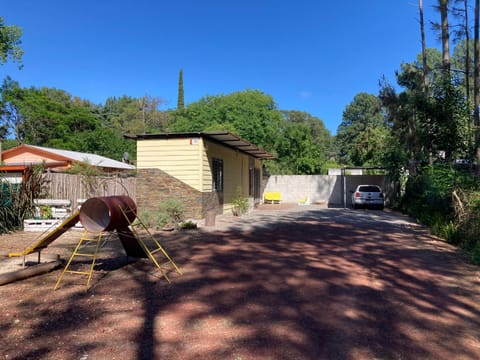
<point x="139" y="223"/>
<point x="86" y="237"/>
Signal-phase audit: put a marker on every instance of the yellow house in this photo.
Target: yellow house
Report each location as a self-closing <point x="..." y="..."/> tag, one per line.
<point x="205" y="170"/>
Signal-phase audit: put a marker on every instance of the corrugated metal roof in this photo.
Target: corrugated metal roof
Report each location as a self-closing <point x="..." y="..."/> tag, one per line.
<point x="223" y="137"/>
<point x="92" y="159"/>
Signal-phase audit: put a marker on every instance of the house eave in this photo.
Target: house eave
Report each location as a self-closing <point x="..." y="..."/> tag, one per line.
<point x="221" y="137"/>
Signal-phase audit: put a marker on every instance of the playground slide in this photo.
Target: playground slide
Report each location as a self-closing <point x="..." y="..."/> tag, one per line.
<point x="46" y="240"/>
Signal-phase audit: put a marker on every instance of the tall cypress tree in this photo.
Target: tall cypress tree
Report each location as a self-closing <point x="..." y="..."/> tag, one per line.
<point x="181" y="100"/>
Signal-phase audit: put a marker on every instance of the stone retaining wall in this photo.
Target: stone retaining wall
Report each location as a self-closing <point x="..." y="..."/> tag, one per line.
<point x="154" y="186"/>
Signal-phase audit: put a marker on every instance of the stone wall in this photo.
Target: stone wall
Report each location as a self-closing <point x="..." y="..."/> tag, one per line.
<point x="154" y="186"/>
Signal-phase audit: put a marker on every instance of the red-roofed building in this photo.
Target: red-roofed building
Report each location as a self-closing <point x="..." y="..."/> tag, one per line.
<point x="17" y="159"/>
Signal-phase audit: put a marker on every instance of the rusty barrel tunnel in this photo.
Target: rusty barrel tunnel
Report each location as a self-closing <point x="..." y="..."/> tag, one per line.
<point x="112" y="213"/>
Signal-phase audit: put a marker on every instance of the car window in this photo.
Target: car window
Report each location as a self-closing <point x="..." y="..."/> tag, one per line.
<point x="369" y="188"/>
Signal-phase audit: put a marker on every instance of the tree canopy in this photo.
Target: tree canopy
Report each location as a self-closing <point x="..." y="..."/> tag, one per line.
<point x="10" y="41"/>
<point x="52" y="117"/>
<point x="362" y="133"/>
<point x="304" y="145"/>
<point x="251" y="114"/>
<point x="135" y="115"/>
<point x="299" y="140"/>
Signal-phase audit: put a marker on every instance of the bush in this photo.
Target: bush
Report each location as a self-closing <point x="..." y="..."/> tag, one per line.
<point x="239" y="204"/>
<point x="475" y="254"/>
<point x="148" y="218"/>
<point x="16" y="200"/>
<point x="448" y="231"/>
<point x="448" y="201"/>
<point x="45" y="212"/>
<point x="170" y="213"/>
<point x="188" y="225"/>
<point x="163" y="220"/>
<point x="467" y="211"/>
<point x="428" y="197"/>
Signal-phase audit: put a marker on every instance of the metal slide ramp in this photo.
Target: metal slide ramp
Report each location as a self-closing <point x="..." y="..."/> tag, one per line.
<point x="49" y="237"/>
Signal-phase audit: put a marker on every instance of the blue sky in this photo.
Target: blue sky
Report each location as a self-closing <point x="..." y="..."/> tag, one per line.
<point x="309" y="55"/>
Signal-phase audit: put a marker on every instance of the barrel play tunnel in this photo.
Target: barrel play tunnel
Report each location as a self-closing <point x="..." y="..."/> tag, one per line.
<point x="98" y="215"/>
<point x="113" y="213"/>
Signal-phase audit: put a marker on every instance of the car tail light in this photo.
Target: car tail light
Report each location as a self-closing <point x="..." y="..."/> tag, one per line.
<point x="381" y="195"/>
<point x="357" y="194"/>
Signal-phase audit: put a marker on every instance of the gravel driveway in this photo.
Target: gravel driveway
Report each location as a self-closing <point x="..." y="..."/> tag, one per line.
<point x="280" y="283"/>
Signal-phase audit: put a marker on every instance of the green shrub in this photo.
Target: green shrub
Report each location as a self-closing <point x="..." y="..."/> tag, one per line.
<point x="45" y="212"/>
<point x="468" y="220"/>
<point x="448" y="201"/>
<point x="16" y="200"/>
<point x="148" y="218"/>
<point x="170" y="213"/>
<point x="448" y="231"/>
<point x="475" y="254"/>
<point x="239" y="204"/>
<point x="428" y="196"/>
<point x="163" y="220"/>
<point x="188" y="225"/>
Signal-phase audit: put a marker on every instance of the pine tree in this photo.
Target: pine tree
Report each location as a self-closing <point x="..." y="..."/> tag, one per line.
<point x="476" y="85"/>
<point x="181" y="100"/>
<point x="444" y="27"/>
<point x="424" y="50"/>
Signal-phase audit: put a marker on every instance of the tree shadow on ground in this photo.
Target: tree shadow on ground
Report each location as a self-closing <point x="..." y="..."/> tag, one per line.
<point x="320" y="284"/>
<point x="307" y="287"/>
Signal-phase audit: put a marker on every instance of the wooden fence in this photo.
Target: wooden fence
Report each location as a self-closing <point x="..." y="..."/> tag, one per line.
<point x="79" y="187"/>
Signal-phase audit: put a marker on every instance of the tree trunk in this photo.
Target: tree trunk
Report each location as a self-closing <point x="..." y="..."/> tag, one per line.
<point x="424" y="50"/>
<point x="29" y="272"/>
<point x="476" y="72"/>
<point x="467" y="53"/>
<point x="445" y="36"/>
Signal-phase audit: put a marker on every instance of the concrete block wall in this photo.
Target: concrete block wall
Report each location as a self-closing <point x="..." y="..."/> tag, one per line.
<point x="295" y="187"/>
<point x="319" y="188"/>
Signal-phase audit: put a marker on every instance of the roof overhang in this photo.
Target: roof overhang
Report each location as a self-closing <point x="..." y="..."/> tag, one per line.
<point x="12" y="168"/>
<point x="22" y="166"/>
<point x="33" y="149"/>
<point x="221" y="137"/>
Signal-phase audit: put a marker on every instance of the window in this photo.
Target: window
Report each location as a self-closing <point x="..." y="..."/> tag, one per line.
<point x="251" y="182"/>
<point x="217" y="175"/>
<point x="369" y="188"/>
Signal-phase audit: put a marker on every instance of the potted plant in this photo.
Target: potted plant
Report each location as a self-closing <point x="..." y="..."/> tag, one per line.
<point x="239" y="204"/>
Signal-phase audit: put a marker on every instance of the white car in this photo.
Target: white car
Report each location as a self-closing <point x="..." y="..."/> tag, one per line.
<point x="368" y="196"/>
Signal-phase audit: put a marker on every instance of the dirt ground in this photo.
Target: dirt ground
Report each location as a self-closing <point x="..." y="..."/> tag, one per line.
<point x="284" y="282"/>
